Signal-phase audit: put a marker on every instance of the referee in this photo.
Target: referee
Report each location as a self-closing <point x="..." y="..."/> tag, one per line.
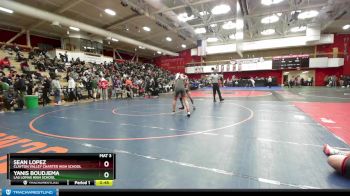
<point x="214" y="77"/>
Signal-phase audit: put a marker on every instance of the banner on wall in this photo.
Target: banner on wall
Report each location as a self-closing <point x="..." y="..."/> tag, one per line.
<point x="87" y="57"/>
<point x="233" y="66"/>
<point x="199" y="69"/>
<point x="247" y="61"/>
<point x="172" y="62"/>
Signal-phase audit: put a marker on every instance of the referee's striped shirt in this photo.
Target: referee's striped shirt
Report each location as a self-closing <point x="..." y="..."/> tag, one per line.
<point x="215" y="78"/>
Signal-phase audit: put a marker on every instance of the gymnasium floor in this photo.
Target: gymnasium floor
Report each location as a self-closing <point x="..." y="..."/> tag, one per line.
<point x="257" y="138"/>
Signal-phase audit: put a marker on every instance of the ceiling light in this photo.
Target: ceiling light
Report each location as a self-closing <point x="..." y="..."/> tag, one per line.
<point x="232" y="36"/>
<point x="200" y="30"/>
<point x="113" y="39"/>
<point x="221" y="9"/>
<point x="268" y="32"/>
<point x="141" y="47"/>
<point x="270" y="2"/>
<point x="183" y="46"/>
<point x="270" y="19"/>
<point x="168" y="39"/>
<point x="308" y="14"/>
<point x="74" y="28"/>
<point x="146" y="29"/>
<point x="212" y="39"/>
<point x="110" y="12"/>
<point x="298" y="29"/>
<point x="213" y="25"/>
<point x="279" y="14"/>
<point x="229" y="25"/>
<point x="204" y="13"/>
<point x="184" y="17"/>
<point x="346" y="27"/>
<point x="6" y="10"/>
<point x="159" y="52"/>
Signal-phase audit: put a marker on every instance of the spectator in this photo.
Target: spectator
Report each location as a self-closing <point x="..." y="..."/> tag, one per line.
<point x="20" y="85"/>
<point x="46" y="90"/>
<point x="6" y="80"/>
<point x="252" y="82"/>
<point x="78" y="90"/>
<point x="309" y="81"/>
<point x="88" y="86"/>
<point x="341" y="81"/>
<point x="10" y="99"/>
<point x="19" y="55"/>
<point x="30" y="86"/>
<point x="291" y="82"/>
<point x="103" y="85"/>
<point x="25" y="67"/>
<point x="65" y="57"/>
<point x="269" y="81"/>
<point x="56" y="87"/>
<point x="71" y="89"/>
<point x="298" y="81"/>
<point x="94" y="85"/>
<point x="5" y="63"/>
<point x="117" y="87"/>
<point x="4" y="86"/>
<point x="334" y="80"/>
<point x="128" y="87"/>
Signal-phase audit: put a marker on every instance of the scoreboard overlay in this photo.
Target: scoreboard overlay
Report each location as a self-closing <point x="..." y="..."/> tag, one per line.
<point x="81" y="169"/>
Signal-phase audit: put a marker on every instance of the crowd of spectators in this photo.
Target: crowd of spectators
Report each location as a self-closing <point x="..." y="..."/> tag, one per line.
<point x="299" y="81"/>
<point x="75" y="79"/>
<point x="334" y="81"/>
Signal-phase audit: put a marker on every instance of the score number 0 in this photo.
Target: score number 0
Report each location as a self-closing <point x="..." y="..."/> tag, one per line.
<point x="106" y="164"/>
